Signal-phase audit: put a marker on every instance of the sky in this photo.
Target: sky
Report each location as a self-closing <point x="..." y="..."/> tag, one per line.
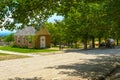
<point x="55" y="17"/>
<point x="51" y="19"/>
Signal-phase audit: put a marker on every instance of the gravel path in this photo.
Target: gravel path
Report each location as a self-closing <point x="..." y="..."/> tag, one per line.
<point x="51" y="67"/>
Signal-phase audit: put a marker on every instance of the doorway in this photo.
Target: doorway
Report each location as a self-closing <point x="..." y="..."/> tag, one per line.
<point x="42" y="42"/>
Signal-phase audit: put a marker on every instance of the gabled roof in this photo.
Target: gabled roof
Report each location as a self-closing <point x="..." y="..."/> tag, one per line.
<point x="43" y="31"/>
<point x="26" y="31"/>
<point x="32" y="31"/>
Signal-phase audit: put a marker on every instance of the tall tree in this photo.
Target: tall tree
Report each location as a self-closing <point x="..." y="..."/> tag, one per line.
<point x="88" y="18"/>
<point x="57" y="32"/>
<point x="9" y="38"/>
<point x="113" y="11"/>
<point x="26" y="12"/>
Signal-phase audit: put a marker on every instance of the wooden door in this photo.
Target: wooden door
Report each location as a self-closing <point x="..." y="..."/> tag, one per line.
<point x="42" y="42"/>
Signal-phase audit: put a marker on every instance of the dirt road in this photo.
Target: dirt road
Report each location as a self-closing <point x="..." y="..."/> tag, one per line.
<point x="70" y="65"/>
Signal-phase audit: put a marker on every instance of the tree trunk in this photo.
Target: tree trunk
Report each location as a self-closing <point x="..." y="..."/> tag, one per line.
<point x="93" y="42"/>
<point x="85" y="41"/>
<point x="99" y="39"/>
<point x="117" y="42"/>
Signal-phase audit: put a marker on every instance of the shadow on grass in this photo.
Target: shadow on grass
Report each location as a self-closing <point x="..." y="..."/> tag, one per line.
<point x="94" y="69"/>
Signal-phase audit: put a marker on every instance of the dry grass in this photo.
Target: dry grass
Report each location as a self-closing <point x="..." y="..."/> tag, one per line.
<point x="4" y="56"/>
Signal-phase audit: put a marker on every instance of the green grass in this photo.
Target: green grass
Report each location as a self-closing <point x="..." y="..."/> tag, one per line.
<point x="25" y="50"/>
<point x="4" y="56"/>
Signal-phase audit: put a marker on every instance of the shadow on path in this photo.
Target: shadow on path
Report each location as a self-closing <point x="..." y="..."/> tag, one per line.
<point x="115" y="51"/>
<point x="94" y="69"/>
<point x="35" y="78"/>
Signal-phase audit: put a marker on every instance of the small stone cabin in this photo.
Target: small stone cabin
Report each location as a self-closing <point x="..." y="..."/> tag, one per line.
<point x="31" y="38"/>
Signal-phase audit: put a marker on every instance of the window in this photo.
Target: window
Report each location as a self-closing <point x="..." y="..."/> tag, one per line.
<point x="18" y="39"/>
<point x="23" y="40"/>
<point x="29" y="39"/>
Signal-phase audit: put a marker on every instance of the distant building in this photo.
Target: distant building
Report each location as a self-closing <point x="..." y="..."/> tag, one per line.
<point x="31" y="38"/>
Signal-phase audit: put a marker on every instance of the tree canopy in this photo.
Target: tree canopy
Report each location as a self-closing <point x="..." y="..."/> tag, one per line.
<point x="37" y="11"/>
<point x="84" y="19"/>
<point x="26" y="12"/>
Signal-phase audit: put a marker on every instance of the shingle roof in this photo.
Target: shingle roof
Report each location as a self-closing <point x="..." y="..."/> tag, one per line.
<point x="26" y="31"/>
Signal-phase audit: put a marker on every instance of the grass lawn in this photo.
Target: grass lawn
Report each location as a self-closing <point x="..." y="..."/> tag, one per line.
<point x="4" y="56"/>
<point x="26" y="50"/>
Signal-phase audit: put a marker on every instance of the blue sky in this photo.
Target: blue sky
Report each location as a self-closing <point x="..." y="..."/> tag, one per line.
<point x="55" y="17"/>
<point x="51" y="19"/>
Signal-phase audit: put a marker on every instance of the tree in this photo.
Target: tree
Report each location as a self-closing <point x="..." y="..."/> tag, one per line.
<point x="53" y="32"/>
<point x="26" y="12"/>
<point x="113" y="11"/>
<point x="9" y="38"/>
<point x="83" y="21"/>
<point x="85" y="18"/>
<point x="57" y="32"/>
